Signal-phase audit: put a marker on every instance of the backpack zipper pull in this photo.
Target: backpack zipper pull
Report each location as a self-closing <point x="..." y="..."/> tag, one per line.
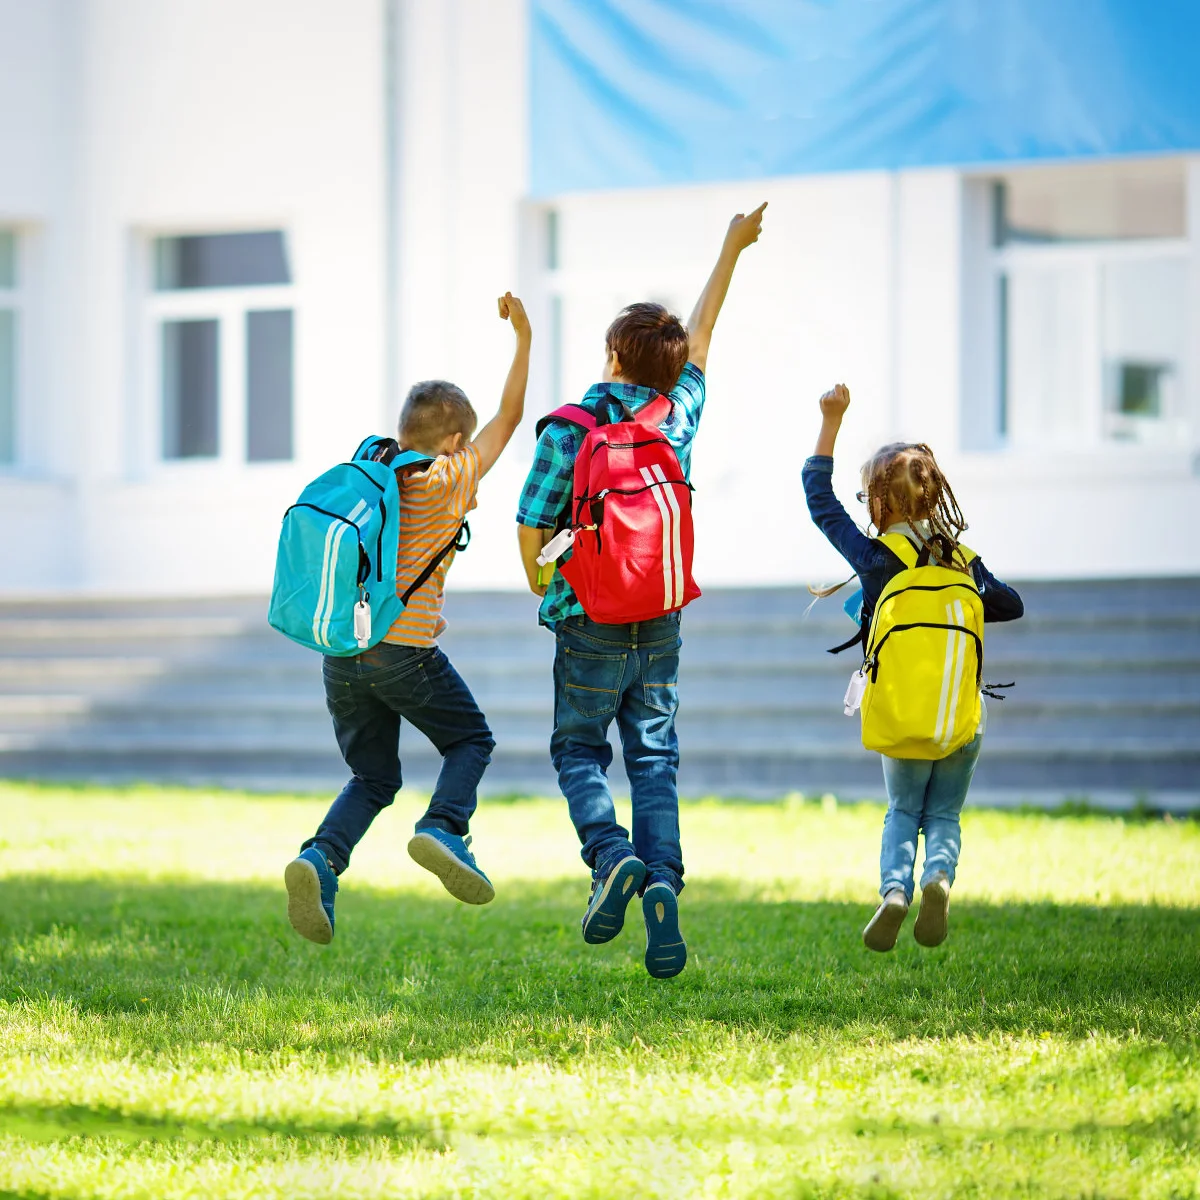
<point x="557" y="546"/>
<point x="362" y="620"/>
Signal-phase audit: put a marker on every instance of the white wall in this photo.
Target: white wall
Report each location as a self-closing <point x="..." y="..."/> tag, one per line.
<point x="866" y="279"/>
<point x="120" y="119"/>
<point x="196" y="115"/>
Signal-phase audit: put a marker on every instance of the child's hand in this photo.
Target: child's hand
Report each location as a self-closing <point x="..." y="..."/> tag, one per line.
<point x="744" y="229"/>
<point x="511" y="309"/>
<point x="835" y="402"/>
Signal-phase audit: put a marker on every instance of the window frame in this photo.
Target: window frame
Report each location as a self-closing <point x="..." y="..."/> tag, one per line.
<point x="229" y="307"/>
<point x="13" y="299"/>
<point x="1001" y="262"/>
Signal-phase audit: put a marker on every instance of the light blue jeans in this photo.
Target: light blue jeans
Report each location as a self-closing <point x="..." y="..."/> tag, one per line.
<point x="924" y="797"/>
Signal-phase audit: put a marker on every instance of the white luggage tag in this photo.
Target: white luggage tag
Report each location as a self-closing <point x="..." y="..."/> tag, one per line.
<point x="854" y="693"/>
<point x="362" y="624"/>
<point x="557" y="546"/>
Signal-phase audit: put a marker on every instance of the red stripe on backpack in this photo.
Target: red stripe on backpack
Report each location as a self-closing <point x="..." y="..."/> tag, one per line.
<point x="631" y="510"/>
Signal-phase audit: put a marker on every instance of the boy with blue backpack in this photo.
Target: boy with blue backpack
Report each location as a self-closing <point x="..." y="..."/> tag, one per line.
<point x="373" y="540"/>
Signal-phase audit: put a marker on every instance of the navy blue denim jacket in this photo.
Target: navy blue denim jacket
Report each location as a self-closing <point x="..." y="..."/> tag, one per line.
<point x="872" y="561"/>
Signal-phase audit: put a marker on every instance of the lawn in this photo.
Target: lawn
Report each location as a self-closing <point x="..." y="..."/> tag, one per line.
<point x="166" y="1034"/>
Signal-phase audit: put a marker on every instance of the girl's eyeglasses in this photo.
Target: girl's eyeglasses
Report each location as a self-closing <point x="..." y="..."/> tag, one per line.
<point x="861" y="497"/>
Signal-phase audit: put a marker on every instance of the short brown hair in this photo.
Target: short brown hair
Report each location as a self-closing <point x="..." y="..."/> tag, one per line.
<point x="651" y="344"/>
<point x="434" y="409"/>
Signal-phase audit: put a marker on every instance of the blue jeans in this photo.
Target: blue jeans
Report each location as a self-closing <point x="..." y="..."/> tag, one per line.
<point x="924" y="797"/>
<point x="629" y="672"/>
<point x="367" y="696"/>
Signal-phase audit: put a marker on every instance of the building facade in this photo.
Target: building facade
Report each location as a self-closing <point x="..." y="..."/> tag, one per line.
<point x="231" y="234"/>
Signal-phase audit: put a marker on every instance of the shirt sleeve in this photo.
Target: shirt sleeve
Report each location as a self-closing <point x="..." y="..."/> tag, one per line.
<point x="860" y="551"/>
<point x="548" y="486"/>
<point x="1000" y="602"/>
<point x="457" y="478"/>
<point x="687" y="403"/>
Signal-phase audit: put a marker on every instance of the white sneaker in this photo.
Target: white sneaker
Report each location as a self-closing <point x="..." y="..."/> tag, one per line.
<point x="933" y="918"/>
<point x="884" y="926"/>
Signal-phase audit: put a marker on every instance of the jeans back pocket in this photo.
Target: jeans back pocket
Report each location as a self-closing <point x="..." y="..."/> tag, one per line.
<point x="593" y="681"/>
<point x="660" y="680"/>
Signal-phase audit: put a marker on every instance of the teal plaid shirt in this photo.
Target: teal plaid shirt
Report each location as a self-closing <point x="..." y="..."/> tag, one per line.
<point x="547" y="490"/>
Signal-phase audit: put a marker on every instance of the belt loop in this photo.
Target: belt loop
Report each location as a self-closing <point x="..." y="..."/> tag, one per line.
<point x="633" y="631"/>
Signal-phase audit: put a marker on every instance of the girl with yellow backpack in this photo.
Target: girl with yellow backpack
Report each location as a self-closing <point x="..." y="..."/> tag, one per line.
<point x="922" y="607"/>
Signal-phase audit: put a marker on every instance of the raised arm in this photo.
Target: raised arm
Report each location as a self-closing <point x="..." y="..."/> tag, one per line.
<point x="494" y="436"/>
<point x="823" y="505"/>
<point x="743" y="231"/>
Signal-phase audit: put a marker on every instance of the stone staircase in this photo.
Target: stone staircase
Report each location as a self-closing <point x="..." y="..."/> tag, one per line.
<point x="1106" y="707"/>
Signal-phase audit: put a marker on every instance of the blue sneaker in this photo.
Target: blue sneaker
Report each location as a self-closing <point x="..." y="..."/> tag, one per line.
<point x="666" y="951"/>
<point x="448" y="856"/>
<point x="606" y="908"/>
<point x="311" y="886"/>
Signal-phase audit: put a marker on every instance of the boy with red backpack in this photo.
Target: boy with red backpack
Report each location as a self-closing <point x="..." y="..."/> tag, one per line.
<point x="608" y="499"/>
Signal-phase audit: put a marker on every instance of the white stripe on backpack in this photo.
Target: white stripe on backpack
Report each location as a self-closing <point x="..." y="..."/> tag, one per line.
<point x="333" y="542"/>
<point x="668" y="582"/>
<point x="676" y="548"/>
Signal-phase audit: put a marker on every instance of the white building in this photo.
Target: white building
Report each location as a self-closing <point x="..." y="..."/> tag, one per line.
<point x="232" y="233"/>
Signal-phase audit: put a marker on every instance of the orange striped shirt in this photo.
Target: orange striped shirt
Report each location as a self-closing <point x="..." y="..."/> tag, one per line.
<point x="433" y="503"/>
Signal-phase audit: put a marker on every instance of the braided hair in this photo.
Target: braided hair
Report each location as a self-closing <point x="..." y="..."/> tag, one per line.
<point x="908" y="483"/>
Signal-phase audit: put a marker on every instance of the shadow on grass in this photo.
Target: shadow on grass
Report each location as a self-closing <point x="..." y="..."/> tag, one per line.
<point x="163" y="965"/>
<point x="53" y="1123"/>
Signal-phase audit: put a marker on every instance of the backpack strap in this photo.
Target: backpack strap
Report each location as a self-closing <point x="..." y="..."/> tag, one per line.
<point x="387" y="450"/>
<point x="404" y="459"/>
<point x="917" y="556"/>
<point x="573" y="414"/>
<point x="652" y="414"/>
<point x="460" y="541"/>
<point x="904" y="550"/>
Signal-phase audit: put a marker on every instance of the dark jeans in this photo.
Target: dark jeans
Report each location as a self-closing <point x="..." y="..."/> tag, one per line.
<point x="629" y="672"/>
<point x="367" y="696"/>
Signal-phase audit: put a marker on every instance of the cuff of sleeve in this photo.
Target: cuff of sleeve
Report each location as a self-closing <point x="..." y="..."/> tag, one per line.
<point x="529" y="522"/>
<point x="819" y="462"/>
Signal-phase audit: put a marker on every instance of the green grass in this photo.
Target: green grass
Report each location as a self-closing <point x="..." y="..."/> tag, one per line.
<point x="164" y="1034"/>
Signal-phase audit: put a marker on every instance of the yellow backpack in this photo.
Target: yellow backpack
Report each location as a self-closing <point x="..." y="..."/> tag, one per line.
<point x="924" y="659"/>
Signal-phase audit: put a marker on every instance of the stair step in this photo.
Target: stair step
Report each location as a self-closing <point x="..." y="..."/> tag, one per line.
<point x="1108" y="695"/>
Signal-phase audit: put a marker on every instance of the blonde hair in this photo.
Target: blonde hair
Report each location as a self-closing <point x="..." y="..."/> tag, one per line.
<point x="910" y="486"/>
<point x="908" y="483"/>
<point x="434" y="409"/>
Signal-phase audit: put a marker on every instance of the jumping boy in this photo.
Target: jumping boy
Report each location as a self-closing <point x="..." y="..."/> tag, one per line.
<point x="406" y="676"/>
<point x="628" y="672"/>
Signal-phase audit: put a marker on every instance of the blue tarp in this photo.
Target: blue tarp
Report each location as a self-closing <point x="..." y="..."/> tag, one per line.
<point x="635" y="93"/>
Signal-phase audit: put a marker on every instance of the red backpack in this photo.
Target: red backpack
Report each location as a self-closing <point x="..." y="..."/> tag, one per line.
<point x="631" y="515"/>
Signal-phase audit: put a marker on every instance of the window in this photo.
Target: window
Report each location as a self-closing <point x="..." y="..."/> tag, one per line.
<point x="9" y="323"/>
<point x="1090" y="285"/>
<point x="222" y="308"/>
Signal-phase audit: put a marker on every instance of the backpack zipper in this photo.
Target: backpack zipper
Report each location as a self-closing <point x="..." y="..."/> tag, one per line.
<point x="872" y="659"/>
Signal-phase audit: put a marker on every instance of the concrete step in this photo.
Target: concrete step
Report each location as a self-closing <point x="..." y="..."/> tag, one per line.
<point x="1108" y="696"/>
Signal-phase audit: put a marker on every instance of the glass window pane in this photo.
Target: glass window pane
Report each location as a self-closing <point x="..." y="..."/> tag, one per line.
<point x="220" y="260"/>
<point x="8" y="386"/>
<point x="1144" y="340"/>
<point x="269" y="385"/>
<point x="8" y="259"/>
<point x="190" y="354"/>
<point x="1092" y="202"/>
<point x="1047" y="370"/>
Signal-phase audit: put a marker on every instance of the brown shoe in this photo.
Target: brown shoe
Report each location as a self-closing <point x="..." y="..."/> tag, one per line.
<point x="933" y="918"/>
<point x="883" y="928"/>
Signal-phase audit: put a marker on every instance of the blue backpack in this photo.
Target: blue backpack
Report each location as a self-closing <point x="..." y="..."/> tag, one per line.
<point x="335" y="570"/>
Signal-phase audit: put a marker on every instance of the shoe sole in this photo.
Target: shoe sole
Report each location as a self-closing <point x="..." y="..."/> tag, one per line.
<point x="933" y="921"/>
<point x="666" y="951"/>
<point x="457" y="878"/>
<point x="603" y="923"/>
<point x="304" y="902"/>
<point x="884" y="927"/>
